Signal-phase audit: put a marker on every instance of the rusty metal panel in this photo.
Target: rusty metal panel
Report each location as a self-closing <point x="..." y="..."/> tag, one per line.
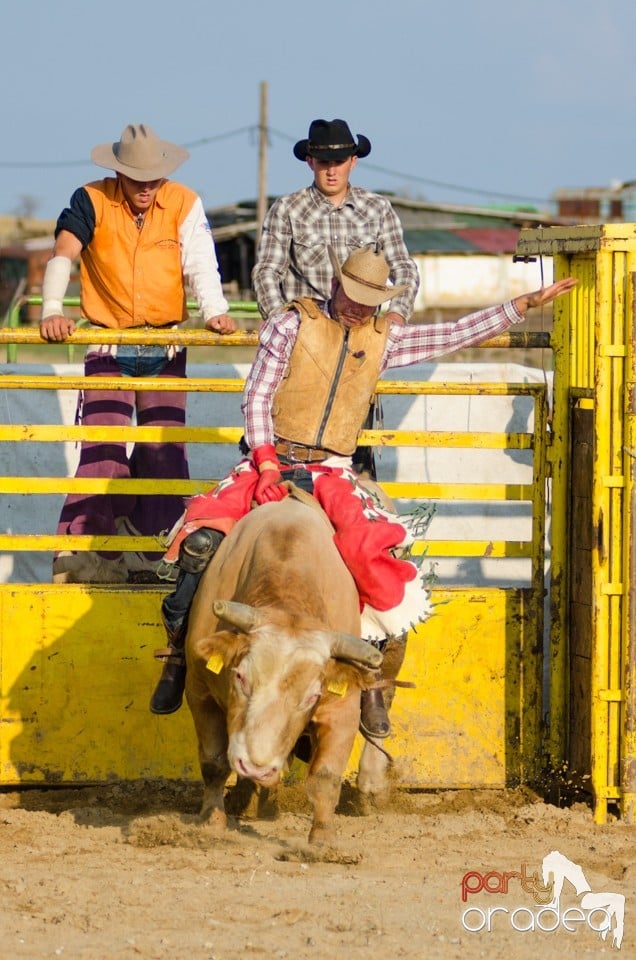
<point x="77" y="671"/>
<point x="580" y="588"/>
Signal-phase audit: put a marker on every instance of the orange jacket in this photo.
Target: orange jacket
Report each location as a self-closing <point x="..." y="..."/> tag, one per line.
<point x="133" y="277"/>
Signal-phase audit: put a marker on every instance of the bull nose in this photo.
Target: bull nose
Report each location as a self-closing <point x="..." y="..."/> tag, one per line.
<point x="245" y="768"/>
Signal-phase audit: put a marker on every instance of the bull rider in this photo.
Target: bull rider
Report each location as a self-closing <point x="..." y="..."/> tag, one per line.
<point x="305" y="401"/>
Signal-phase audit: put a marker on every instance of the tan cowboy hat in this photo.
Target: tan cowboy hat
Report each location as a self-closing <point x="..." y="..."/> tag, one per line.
<point x="140" y="154"/>
<point x="364" y="276"/>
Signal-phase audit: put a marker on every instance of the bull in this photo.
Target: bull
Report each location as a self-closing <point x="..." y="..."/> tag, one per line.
<point x="273" y="650"/>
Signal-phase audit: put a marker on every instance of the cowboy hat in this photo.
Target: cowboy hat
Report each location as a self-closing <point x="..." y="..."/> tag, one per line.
<point x="140" y="154"/>
<point x="364" y="276"/>
<point x="331" y="140"/>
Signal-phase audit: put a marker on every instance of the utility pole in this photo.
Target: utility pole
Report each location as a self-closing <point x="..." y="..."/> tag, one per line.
<point x="261" y="208"/>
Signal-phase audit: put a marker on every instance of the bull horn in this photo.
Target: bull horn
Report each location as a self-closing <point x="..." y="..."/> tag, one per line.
<point x="346" y="646"/>
<point x="239" y="615"/>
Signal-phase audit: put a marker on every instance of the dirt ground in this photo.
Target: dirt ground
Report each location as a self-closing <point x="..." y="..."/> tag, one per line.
<point x="127" y="871"/>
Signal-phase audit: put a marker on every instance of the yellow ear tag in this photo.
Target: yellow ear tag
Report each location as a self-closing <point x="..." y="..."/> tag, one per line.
<point x="215" y="663"/>
<point x="339" y="688"/>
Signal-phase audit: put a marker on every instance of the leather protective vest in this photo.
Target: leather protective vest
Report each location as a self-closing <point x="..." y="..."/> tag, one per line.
<point x="325" y="396"/>
<point x="132" y="277"/>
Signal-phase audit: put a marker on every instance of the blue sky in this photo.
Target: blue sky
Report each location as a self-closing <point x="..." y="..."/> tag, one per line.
<point x="507" y="101"/>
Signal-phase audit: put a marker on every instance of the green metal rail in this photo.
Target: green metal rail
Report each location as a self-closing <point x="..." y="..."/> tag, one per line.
<point x="238" y="308"/>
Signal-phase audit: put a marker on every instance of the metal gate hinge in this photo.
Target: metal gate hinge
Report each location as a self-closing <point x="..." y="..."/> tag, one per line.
<point x="612" y="350"/>
<point x="614" y="481"/>
<point x="612" y="696"/>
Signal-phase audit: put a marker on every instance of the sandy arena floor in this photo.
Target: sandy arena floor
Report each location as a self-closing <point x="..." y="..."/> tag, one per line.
<point x="126" y="871"/>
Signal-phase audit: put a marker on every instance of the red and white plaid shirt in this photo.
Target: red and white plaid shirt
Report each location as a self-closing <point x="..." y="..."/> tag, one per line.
<point x="406" y="345"/>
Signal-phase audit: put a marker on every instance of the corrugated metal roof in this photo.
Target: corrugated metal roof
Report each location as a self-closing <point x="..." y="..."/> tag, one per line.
<point x="491" y="240"/>
<point x="436" y="241"/>
<point x="471" y="240"/>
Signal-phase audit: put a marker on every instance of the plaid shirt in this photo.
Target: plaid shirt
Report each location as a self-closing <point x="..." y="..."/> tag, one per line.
<point x="292" y="259"/>
<point x="406" y="345"/>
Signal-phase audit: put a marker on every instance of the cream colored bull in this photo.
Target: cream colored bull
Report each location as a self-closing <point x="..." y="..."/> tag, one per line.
<point x="274" y="647"/>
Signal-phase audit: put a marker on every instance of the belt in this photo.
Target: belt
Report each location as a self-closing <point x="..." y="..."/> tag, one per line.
<point x="299" y="453"/>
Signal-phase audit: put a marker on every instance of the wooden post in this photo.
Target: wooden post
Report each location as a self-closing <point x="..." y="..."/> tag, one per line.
<point x="261" y="209"/>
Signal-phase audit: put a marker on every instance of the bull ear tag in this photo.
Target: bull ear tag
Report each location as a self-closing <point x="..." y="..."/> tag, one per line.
<point x="215" y="663"/>
<point x="337" y="687"/>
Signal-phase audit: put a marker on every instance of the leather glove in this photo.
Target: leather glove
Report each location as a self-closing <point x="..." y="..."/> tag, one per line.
<point x="266" y="462"/>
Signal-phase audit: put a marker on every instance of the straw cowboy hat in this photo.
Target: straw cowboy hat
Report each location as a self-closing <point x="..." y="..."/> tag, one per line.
<point x="364" y="276"/>
<point x="331" y="140"/>
<point x="140" y="154"/>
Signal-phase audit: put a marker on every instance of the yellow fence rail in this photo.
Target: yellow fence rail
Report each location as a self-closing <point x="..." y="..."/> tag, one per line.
<point x="211" y="435"/>
<point x="502" y="629"/>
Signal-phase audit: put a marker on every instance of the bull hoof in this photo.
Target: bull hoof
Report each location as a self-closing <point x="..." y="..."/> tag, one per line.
<point x="215" y="821"/>
<point x="322" y="835"/>
<point x="369" y="803"/>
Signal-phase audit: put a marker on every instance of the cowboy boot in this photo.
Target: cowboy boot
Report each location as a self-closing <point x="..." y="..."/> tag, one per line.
<point x="374" y="719"/>
<point x="168" y="694"/>
<point x="376" y="703"/>
<point x="195" y="554"/>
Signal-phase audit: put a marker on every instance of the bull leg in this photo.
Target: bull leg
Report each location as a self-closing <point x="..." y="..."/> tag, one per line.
<point x="210" y="726"/>
<point x="334" y="743"/>
<point x="246" y="799"/>
<point x="241" y="798"/>
<point x="373" y="766"/>
<point x="213" y="809"/>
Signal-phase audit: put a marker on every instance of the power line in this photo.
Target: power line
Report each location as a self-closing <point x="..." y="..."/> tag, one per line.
<point x="48" y="164"/>
<point x="43" y="164"/>
<point x="432" y="183"/>
<point x="254" y="128"/>
<point x="221" y="136"/>
<point x="454" y="186"/>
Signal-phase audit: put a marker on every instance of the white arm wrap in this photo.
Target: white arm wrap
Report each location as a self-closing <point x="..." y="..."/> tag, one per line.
<point x="56" y="279"/>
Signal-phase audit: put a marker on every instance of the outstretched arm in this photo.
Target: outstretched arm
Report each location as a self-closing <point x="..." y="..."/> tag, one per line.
<point x="539" y="298"/>
<point x="417" y="343"/>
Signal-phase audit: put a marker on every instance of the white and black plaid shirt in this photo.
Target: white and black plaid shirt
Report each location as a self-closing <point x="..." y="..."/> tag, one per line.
<point x="292" y="259"/>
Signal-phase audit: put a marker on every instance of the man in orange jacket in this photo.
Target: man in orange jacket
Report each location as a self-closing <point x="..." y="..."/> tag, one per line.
<point x="140" y="238"/>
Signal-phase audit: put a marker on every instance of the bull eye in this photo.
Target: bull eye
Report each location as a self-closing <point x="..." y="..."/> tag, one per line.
<point x="310" y="700"/>
<point x="241" y="682"/>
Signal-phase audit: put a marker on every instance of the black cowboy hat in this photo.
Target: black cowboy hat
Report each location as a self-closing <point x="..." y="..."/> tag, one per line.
<point x="331" y="140"/>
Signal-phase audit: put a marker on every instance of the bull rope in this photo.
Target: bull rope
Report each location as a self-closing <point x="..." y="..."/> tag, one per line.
<point x="310" y="501"/>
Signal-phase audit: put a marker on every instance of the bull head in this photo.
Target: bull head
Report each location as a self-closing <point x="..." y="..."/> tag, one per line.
<point x="343" y="646"/>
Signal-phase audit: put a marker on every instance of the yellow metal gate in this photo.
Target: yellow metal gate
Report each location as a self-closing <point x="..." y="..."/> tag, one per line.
<point x="592" y="459"/>
<point x="76" y="665"/>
